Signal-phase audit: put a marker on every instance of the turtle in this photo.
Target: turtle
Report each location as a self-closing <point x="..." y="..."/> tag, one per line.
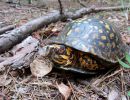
<point x="88" y="45"/>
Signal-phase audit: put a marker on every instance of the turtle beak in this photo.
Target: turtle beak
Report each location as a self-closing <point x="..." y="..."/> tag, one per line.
<point x="44" y="51"/>
<point x="48" y="50"/>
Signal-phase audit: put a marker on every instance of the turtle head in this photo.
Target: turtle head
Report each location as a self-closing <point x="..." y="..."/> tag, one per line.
<point x="54" y="49"/>
<point x="59" y="54"/>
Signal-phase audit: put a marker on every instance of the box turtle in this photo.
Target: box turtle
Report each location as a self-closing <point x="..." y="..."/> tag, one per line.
<point x="86" y="46"/>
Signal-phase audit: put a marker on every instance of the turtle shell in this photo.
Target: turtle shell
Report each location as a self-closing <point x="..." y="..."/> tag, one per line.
<point x="95" y="36"/>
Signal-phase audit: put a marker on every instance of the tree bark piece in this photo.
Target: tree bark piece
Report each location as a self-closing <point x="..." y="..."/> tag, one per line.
<point x="23" y="54"/>
<point x="17" y="35"/>
<point x="7" y="28"/>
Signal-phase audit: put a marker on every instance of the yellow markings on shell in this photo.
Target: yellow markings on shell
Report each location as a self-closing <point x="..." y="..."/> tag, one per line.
<point x="100" y="31"/>
<point x="68" y="51"/>
<point x="64" y="56"/>
<point x="70" y="31"/>
<point x="108" y="44"/>
<point x="107" y="26"/>
<point x="101" y="44"/>
<point x="111" y="35"/>
<point x="103" y="37"/>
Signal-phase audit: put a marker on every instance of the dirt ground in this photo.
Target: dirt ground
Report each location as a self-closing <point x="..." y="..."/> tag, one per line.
<point x="21" y="85"/>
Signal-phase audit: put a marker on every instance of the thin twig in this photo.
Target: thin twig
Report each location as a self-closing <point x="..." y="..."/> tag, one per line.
<point x="60" y="7"/>
<point x="43" y="84"/>
<point x="122" y="82"/>
<point x="93" y="88"/>
<point x="109" y="76"/>
<point x="80" y="2"/>
<point x="72" y="89"/>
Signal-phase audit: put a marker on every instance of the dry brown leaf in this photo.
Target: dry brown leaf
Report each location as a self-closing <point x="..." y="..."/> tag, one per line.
<point x="4" y="81"/>
<point x="41" y="67"/>
<point x="64" y="90"/>
<point x="14" y="73"/>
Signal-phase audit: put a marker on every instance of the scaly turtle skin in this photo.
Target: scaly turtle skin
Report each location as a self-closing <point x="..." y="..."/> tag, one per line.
<point x="87" y="45"/>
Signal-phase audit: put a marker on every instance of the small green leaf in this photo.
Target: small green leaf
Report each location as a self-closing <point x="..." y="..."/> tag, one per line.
<point x="123" y="64"/>
<point x="128" y="93"/>
<point x="128" y="28"/>
<point x="127" y="56"/>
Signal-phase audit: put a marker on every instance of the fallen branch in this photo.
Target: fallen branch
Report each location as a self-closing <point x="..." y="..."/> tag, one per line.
<point x="7" y="28"/>
<point x="83" y="11"/>
<point x="17" y="35"/>
<point x="23" y="54"/>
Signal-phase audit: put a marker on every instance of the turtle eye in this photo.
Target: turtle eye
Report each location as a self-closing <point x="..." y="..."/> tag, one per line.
<point x="47" y="48"/>
<point x="61" y="49"/>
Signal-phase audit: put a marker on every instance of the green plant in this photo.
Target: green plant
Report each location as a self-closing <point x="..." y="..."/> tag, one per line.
<point x="128" y="28"/>
<point x="125" y="65"/>
<point x="127" y="56"/>
<point x="128" y="93"/>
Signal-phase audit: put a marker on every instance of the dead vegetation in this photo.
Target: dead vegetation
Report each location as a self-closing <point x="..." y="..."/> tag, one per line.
<point x="21" y="84"/>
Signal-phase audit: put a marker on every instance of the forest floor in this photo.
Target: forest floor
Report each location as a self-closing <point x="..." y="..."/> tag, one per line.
<point x="22" y="85"/>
